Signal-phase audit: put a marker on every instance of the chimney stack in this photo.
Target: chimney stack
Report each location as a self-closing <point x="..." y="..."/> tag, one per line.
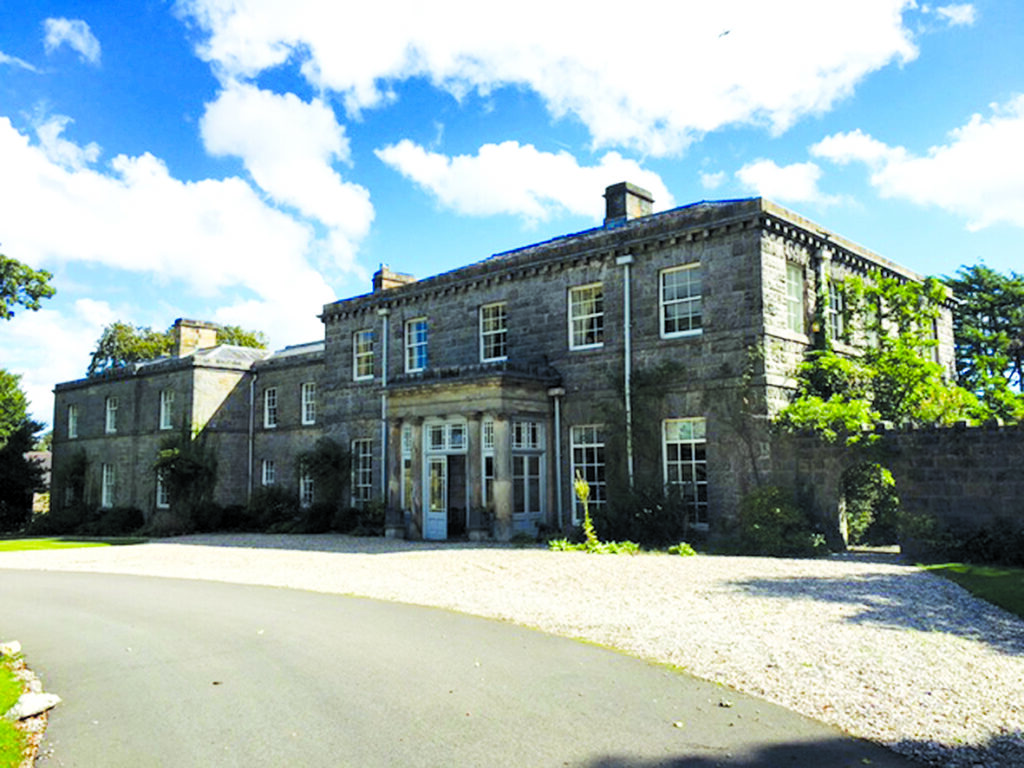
<point x="625" y="201"/>
<point x="191" y="335"/>
<point x="384" y="279"/>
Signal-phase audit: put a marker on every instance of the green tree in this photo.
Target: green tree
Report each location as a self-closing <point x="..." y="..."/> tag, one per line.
<point x="240" y="337"/>
<point x="19" y="476"/>
<point x="121" y="344"/>
<point x="895" y="378"/>
<point x="22" y="285"/>
<point x="989" y="327"/>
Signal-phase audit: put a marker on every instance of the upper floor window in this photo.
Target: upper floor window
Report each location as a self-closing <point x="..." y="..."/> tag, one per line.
<point x="362" y="472"/>
<point x="270" y="407"/>
<point x="362" y="355"/>
<point x="166" y="406"/>
<point x="309" y="402"/>
<point x="681" y="301"/>
<point x="416" y="345"/>
<point x="795" y="297"/>
<point x="835" y="310"/>
<point x="493" y="332"/>
<point x="586" y="316"/>
<point x="110" y="422"/>
<point x="72" y="422"/>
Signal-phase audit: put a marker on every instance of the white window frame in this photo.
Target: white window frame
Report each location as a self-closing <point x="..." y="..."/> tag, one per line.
<point x="307" y="397"/>
<point x="487" y="461"/>
<point x="407" y="474"/>
<point x="796" y="299"/>
<point x="589" y="321"/>
<point x="268" y="473"/>
<point x="669" y="300"/>
<point x="110" y="416"/>
<point x="270" y="408"/>
<point x="835" y="311"/>
<point x="108" y="485"/>
<point x="528" y="490"/>
<point x="163" y="496"/>
<point x="688" y="466"/>
<point x="587" y="452"/>
<point x="494" y="332"/>
<point x="362" y="355"/>
<point x="362" y="472"/>
<point x="166" y="408"/>
<point x="307" y="488"/>
<point x="72" y="421"/>
<point x="416" y="345"/>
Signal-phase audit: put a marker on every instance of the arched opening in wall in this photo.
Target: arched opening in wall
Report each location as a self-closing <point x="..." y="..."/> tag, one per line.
<point x="871" y="504"/>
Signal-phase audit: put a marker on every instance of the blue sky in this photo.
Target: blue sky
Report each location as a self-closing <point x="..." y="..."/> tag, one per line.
<point x="247" y="161"/>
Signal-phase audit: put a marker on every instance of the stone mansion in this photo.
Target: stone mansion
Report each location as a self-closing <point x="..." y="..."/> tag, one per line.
<point x="649" y="351"/>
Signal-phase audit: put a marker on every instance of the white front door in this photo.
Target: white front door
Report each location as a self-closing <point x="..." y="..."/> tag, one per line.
<point x="435" y="523"/>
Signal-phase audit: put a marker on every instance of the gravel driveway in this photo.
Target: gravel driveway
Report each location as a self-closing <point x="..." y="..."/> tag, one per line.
<point x="882" y="650"/>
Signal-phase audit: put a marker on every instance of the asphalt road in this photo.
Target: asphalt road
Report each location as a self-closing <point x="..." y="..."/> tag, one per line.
<point x="178" y="673"/>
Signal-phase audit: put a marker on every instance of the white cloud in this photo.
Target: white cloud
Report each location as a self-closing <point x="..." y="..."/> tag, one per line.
<point x="215" y="237"/>
<point x="712" y="180"/>
<point x="49" y="346"/>
<point x="74" y="33"/>
<point x="531" y="184"/>
<point x="289" y="147"/>
<point x="14" y="61"/>
<point x="797" y="182"/>
<point x="958" y="15"/>
<point x="653" y="81"/>
<point x="977" y="175"/>
<point x="59" y="150"/>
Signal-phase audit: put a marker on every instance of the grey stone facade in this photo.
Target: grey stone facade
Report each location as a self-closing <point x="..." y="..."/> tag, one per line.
<point x="471" y="398"/>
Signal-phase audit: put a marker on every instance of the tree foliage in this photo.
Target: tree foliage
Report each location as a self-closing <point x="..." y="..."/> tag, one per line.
<point x="121" y="344"/>
<point x="894" y="379"/>
<point x="19" y="476"/>
<point x="989" y="328"/>
<point x="22" y="285"/>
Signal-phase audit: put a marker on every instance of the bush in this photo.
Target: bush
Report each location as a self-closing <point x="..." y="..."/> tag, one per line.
<point x="772" y="524"/>
<point x="271" y="506"/>
<point x="1000" y="543"/>
<point x="117" y="521"/>
<point x="651" y="517"/>
<point x="682" y="549"/>
<point x="872" y="506"/>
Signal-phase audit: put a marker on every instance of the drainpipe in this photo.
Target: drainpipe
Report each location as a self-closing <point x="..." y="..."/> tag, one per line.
<point x="556" y="393"/>
<point x="625" y="261"/>
<point x="384" y="312"/>
<point x="252" y="430"/>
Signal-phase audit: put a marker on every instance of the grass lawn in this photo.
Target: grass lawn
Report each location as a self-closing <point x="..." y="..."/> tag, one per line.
<point x="1000" y="585"/>
<point x="11" y="741"/>
<point x="18" y="545"/>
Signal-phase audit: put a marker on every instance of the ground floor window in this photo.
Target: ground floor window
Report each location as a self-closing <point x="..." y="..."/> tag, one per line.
<point x="306" y="489"/>
<point x="107" y="486"/>
<point x="526" y="484"/>
<point x="588" y="460"/>
<point x="362" y="472"/>
<point x="407" y="478"/>
<point x="269" y="475"/>
<point x="686" y="465"/>
<point x="163" y="496"/>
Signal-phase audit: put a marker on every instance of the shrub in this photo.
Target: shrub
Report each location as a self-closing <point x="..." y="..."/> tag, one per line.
<point x="682" y="549"/>
<point x="872" y="505"/>
<point x="649" y="516"/>
<point x="317" y="518"/>
<point x="922" y="536"/>
<point x="772" y="524"/>
<point x="117" y="521"/>
<point x="271" y="506"/>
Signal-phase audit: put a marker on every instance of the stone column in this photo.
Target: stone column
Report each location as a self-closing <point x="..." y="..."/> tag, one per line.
<point x="394" y="517"/>
<point x="502" y="478"/>
<point x="416" y="469"/>
<point x="474" y="477"/>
